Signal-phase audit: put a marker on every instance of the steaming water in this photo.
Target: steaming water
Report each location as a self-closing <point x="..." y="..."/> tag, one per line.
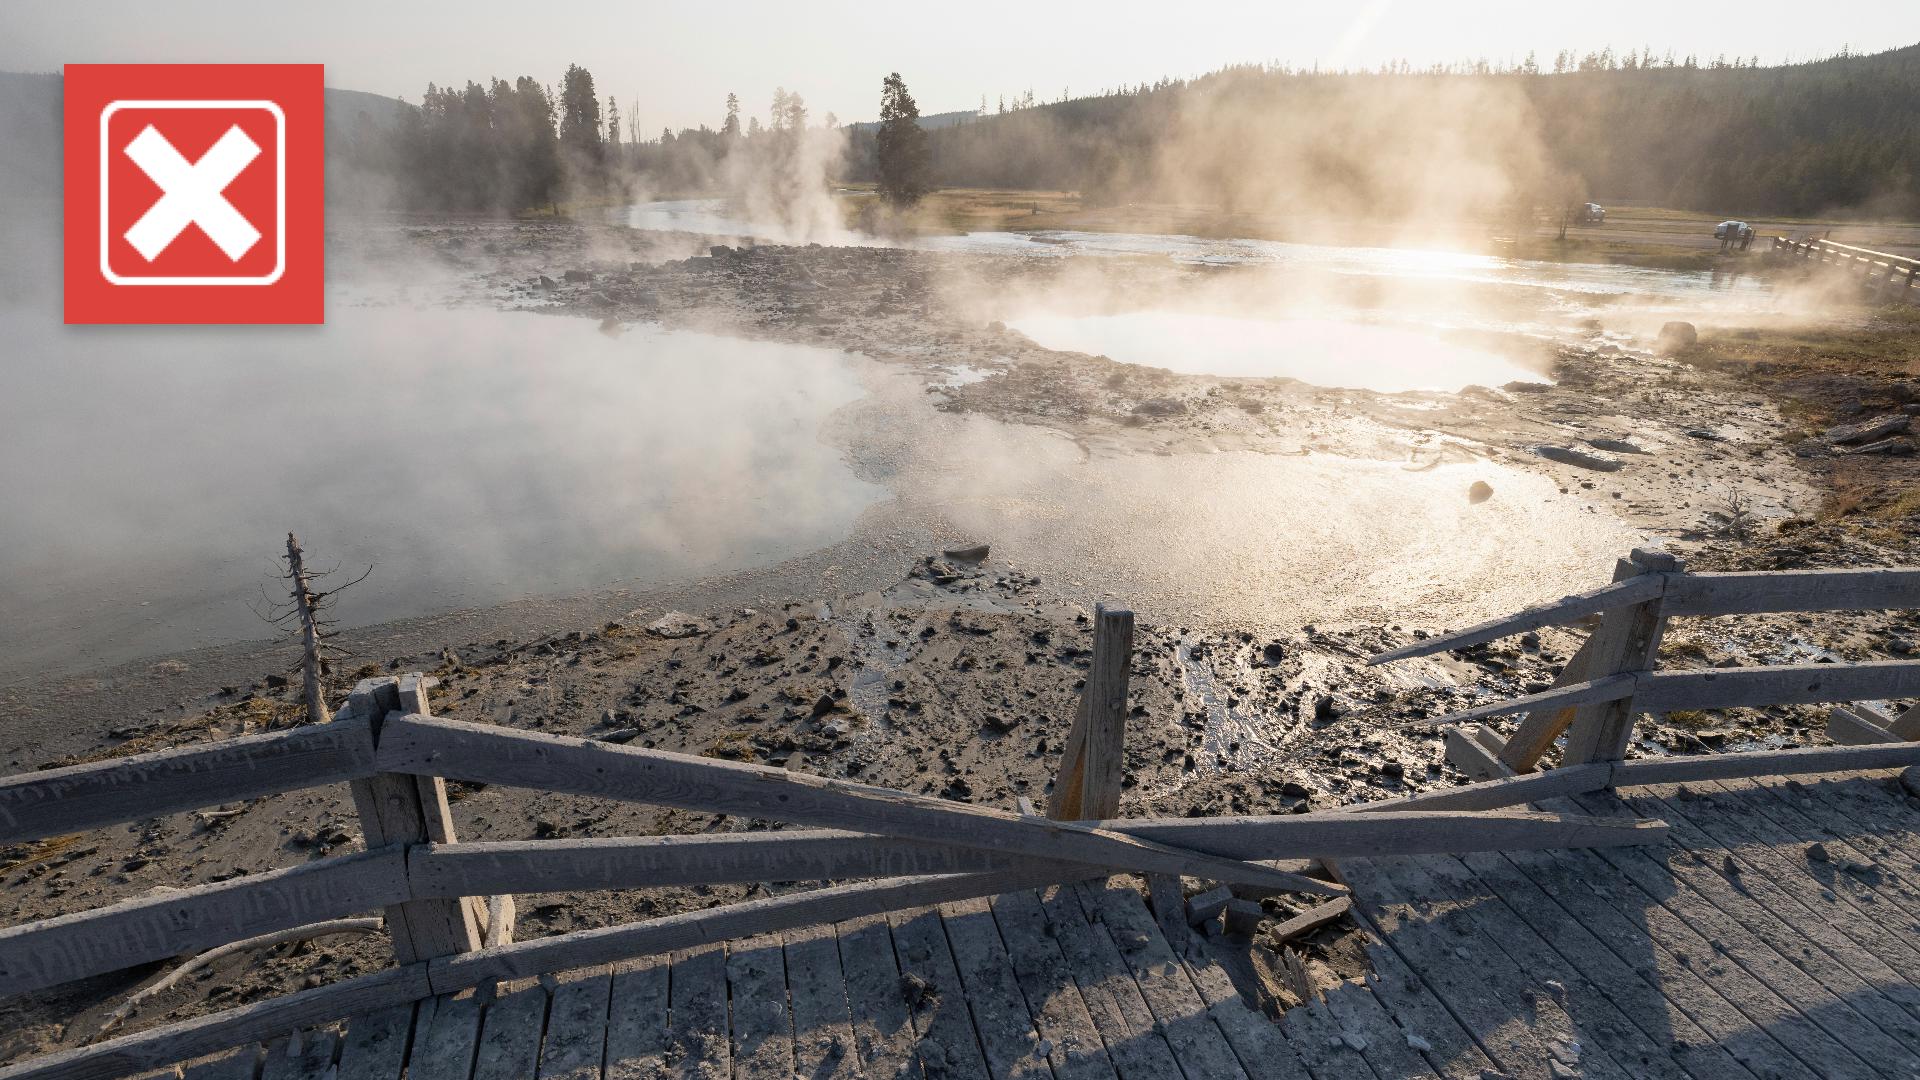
<point x="1582" y="281"/>
<point x="150" y="476"/>
<point x="1323" y="352"/>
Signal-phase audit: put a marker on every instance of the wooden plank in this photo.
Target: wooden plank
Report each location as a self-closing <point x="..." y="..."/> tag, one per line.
<point x="575" y="1046"/>
<point x="692" y="929"/>
<point x="304" y="1055"/>
<point x="947" y="1045"/>
<point x="1907" y="724"/>
<point x="1603" y="689"/>
<point x="1741" y="819"/>
<point x="1674" y="935"/>
<point x="1009" y="1035"/>
<point x="445" y="1047"/>
<point x="375" y="1047"/>
<point x="1312" y="919"/>
<point x="1855" y="834"/>
<point x="1568" y="609"/>
<point x="697" y="1036"/>
<point x="1472" y="757"/>
<point x="762" y="1025"/>
<point x="1060" y="1014"/>
<point x="1316" y="1033"/>
<point x="1781" y="684"/>
<point x="637" y="1040"/>
<point x="1420" y="1012"/>
<point x="883" y="1035"/>
<point x="239" y="1064"/>
<point x="45" y="953"/>
<point x="510" y="1033"/>
<point x="585" y="767"/>
<point x="1792" y="590"/>
<point x="816" y="855"/>
<point x="1135" y="1045"/>
<point x="392" y="811"/>
<point x="629" y="862"/>
<point x="1626" y="640"/>
<point x="1538" y="730"/>
<point x="1259" y="1044"/>
<point x="1596" y="903"/>
<point x="1092" y="765"/>
<point x="1357" y="1012"/>
<point x="1400" y="831"/>
<point x="1849" y="728"/>
<point x="1774" y="955"/>
<point x="1602" y="987"/>
<point x="1495" y="794"/>
<point x="1196" y="1040"/>
<point x="1602" y="1024"/>
<point x="1841" y="967"/>
<point x="1808" y="759"/>
<point x="53" y="802"/>
<point x="1435" y="938"/>
<point x="823" y="1042"/>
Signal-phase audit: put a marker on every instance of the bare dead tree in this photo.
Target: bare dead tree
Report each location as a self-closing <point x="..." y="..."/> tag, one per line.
<point x="304" y="615"/>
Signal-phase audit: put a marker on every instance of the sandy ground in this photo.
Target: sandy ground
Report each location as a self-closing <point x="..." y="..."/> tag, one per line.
<point x="905" y="669"/>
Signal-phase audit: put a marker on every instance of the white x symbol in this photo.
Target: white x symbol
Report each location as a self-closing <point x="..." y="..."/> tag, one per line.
<point x="191" y="194"/>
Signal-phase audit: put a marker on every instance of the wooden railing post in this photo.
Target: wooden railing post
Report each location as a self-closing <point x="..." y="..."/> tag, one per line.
<point x="1094" y="761"/>
<point x="397" y="808"/>
<point x="1628" y="639"/>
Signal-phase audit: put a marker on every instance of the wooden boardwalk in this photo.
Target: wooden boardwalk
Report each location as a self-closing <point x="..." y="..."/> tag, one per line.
<point x="1777" y="936"/>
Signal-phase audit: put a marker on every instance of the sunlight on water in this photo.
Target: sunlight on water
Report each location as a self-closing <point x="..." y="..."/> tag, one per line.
<point x="1351" y="355"/>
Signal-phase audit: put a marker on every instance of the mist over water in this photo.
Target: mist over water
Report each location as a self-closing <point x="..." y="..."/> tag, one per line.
<point x="150" y="474"/>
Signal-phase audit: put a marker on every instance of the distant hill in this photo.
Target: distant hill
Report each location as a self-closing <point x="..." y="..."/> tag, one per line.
<point x="30" y="124"/>
<point x="931" y="122"/>
<point x="1726" y="137"/>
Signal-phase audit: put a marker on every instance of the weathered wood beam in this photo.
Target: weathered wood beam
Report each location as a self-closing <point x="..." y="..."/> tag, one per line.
<point x="1408" y="827"/>
<point x="397" y="808"/>
<point x="1538" y="730"/>
<point x="524" y="959"/>
<point x="1472" y="756"/>
<point x="1807" y="759"/>
<point x="45" y="953"/>
<point x="1094" y="760"/>
<point x="1856" y="727"/>
<point x="54" y="802"/>
<point x="1567" y="609"/>
<point x="1627" y="640"/>
<point x="435" y="746"/>
<point x="1783" y="684"/>
<point x="1608" y="688"/>
<point x="632" y="862"/>
<point x="1493" y="794"/>
<point x="162" y="1047"/>
<point x="1750" y="592"/>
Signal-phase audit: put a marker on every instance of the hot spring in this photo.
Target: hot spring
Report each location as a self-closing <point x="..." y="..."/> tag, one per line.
<point x="1323" y="352"/>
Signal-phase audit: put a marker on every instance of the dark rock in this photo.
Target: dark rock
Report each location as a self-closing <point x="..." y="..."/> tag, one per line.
<point x="1675" y="336"/>
<point x="1568" y="455"/>
<point x="1479" y="492"/>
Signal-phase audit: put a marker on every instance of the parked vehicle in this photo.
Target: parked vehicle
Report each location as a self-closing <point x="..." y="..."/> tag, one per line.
<point x="1593" y="214"/>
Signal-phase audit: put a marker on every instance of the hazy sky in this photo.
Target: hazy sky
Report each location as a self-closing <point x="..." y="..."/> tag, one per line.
<point x="679" y="60"/>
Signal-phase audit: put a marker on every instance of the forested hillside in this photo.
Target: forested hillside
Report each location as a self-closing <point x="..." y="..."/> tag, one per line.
<point x="1732" y="137"/>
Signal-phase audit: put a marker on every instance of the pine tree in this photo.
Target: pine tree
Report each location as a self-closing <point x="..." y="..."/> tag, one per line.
<point x="901" y="145"/>
<point x="731" y="128"/>
<point x="579" y="110"/>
